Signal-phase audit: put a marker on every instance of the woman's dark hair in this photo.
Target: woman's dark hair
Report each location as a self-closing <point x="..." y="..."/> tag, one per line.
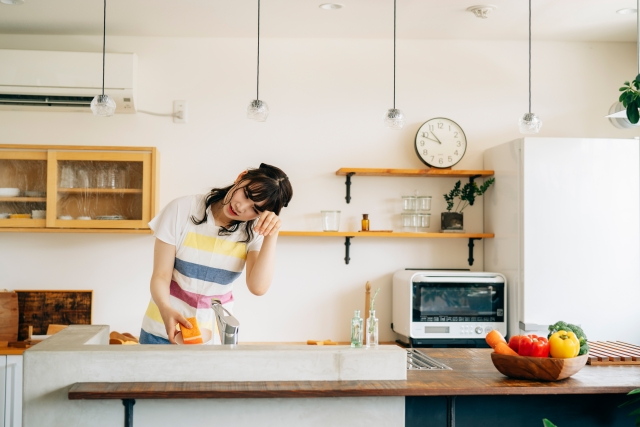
<point x="267" y="183"/>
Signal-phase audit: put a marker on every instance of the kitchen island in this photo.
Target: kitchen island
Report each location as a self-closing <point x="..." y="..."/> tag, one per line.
<point x="473" y="393"/>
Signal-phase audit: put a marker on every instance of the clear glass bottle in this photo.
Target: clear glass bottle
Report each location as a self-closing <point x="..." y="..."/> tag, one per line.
<point x="356" y="330"/>
<point x="365" y="222"/>
<point x="372" y="329"/>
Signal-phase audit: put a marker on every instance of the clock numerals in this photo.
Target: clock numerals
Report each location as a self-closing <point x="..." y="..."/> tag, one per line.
<point x="425" y="152"/>
<point x="440" y="125"/>
<point x="422" y="142"/>
<point x="458" y="144"/>
<point x="430" y="128"/>
<point x="455" y="134"/>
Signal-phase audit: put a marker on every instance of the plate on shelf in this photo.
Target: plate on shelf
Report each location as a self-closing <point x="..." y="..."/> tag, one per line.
<point x="65" y="217"/>
<point x="109" y="217"/>
<point x="9" y="192"/>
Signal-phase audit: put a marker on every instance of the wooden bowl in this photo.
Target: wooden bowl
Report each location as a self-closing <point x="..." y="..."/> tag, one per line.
<point x="538" y="368"/>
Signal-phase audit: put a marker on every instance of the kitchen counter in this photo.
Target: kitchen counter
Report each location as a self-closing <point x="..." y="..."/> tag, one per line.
<point x="11" y="351"/>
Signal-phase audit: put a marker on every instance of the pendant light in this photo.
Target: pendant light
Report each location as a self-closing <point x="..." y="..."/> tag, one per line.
<point x="103" y="105"/>
<point x="530" y="123"/>
<point x="394" y="118"/>
<point x="258" y="110"/>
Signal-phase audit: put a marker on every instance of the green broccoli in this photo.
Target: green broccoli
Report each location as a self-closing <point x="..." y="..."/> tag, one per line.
<point x="563" y="326"/>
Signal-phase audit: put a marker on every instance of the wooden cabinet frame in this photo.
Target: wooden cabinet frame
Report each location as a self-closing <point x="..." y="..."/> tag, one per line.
<point x="53" y="155"/>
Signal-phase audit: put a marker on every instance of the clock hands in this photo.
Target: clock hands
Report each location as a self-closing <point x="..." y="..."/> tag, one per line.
<point x="437" y="139"/>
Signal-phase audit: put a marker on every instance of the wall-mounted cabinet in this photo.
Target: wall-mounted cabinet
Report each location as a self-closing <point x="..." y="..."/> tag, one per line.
<point x="77" y="189"/>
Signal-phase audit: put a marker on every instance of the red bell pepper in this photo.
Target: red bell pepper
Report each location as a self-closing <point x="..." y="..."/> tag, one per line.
<point x="540" y="347"/>
<point x="525" y="344"/>
<point x="514" y="342"/>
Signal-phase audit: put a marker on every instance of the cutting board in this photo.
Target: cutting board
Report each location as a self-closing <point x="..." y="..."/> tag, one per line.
<point x="8" y="316"/>
<point x="613" y="353"/>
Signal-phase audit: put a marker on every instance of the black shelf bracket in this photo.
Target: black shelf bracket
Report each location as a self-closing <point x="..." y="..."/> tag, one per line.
<point x="348" y="184"/>
<point x="471" y="239"/>
<point x="128" y="411"/>
<point x="347" y="243"/>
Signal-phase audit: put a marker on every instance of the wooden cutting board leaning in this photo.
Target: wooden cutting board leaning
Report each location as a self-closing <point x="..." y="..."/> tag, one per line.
<point x="8" y="316"/>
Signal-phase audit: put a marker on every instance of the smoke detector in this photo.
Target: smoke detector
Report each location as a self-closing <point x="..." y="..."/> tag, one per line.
<point x="482" y="10"/>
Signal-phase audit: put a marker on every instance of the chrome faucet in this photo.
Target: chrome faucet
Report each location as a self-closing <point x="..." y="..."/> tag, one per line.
<point x="227" y="324"/>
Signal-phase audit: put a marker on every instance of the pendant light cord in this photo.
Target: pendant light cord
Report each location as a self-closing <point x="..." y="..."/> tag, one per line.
<point x="104" y="36"/>
<point x="258" y="72"/>
<point x="530" y="56"/>
<point x="394" y="54"/>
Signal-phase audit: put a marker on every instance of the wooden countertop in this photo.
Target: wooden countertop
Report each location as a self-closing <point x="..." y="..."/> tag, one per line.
<point x="11" y="351"/>
<point x="473" y="374"/>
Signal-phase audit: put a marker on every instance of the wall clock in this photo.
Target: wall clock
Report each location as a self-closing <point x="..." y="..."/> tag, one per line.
<point x="440" y="143"/>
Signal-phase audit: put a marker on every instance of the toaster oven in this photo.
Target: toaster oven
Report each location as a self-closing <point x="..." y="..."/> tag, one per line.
<point x="447" y="308"/>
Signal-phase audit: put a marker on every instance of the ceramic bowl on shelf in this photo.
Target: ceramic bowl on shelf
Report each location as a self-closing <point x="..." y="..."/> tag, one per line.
<point x="38" y="214"/>
<point x="65" y="217"/>
<point x="84" y="218"/>
<point x="538" y="368"/>
<point x="9" y="192"/>
<point x="4" y="215"/>
<point x="35" y="193"/>
<point x="207" y="335"/>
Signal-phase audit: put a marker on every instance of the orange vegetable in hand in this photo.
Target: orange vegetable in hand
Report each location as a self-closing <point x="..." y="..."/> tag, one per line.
<point x="494" y="338"/>
<point x="503" y="348"/>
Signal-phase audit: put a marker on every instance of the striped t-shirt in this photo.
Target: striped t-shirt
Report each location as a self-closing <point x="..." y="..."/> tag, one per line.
<point x="206" y="264"/>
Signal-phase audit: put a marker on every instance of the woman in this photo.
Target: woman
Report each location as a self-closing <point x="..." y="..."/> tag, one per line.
<point x="202" y="245"/>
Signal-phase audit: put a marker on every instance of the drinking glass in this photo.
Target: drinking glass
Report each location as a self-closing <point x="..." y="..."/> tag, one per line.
<point x="101" y="177"/>
<point x="67" y="177"/>
<point x="330" y="220"/>
<point x="82" y="178"/>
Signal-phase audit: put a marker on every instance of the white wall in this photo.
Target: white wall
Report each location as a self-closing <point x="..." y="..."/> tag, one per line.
<point x="327" y="99"/>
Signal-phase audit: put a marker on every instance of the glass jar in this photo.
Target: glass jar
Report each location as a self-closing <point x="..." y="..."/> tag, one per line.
<point x="372" y="329"/>
<point x="409" y="203"/>
<point x="409" y="221"/>
<point x="330" y="220"/>
<point x="423" y="203"/>
<point x="424" y="220"/>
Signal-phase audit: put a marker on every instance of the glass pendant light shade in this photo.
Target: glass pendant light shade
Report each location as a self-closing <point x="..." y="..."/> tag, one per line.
<point x="529" y="123"/>
<point x="103" y="105"/>
<point x="394" y="119"/>
<point x="258" y="110"/>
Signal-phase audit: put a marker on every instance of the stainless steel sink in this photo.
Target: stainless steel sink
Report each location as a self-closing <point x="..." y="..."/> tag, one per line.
<point x="418" y="360"/>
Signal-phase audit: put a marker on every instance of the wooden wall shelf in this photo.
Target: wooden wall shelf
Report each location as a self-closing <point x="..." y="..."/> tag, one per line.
<point x="429" y="173"/>
<point x="348" y="235"/>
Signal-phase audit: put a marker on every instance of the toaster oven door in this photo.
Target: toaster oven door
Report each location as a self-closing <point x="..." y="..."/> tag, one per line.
<point x="458" y="302"/>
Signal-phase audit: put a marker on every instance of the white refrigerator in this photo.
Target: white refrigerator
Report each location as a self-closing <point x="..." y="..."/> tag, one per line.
<point x="566" y="217"/>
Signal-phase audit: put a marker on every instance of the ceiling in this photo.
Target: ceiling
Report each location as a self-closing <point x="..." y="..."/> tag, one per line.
<point x="566" y="20"/>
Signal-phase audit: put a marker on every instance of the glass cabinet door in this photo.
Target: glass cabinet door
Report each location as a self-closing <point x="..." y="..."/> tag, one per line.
<point x="23" y="186"/>
<point x="99" y="190"/>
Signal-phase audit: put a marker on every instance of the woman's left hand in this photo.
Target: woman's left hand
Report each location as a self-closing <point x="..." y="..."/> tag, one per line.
<point x="268" y="224"/>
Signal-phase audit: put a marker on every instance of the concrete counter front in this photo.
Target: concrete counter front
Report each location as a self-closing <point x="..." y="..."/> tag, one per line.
<point x="82" y="354"/>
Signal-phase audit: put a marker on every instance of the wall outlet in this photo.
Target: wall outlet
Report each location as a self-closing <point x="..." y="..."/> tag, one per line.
<point x="179" y="111"/>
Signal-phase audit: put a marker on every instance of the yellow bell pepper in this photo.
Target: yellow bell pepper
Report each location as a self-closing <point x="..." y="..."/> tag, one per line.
<point x="564" y="345"/>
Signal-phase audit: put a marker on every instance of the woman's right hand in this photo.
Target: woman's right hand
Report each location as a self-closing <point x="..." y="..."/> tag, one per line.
<point x="171" y="318"/>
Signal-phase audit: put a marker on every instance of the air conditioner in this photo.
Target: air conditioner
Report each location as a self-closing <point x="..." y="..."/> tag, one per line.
<point x="65" y="81"/>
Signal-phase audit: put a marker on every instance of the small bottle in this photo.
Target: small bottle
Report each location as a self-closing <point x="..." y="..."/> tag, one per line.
<point x="356" y="330"/>
<point x="365" y="222"/>
<point x="372" y="329"/>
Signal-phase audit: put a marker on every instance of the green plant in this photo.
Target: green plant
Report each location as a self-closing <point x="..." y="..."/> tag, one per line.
<point x="372" y="305"/>
<point x="548" y="423"/>
<point x="630" y="98"/>
<point x="467" y="194"/>
<point x="635" y="412"/>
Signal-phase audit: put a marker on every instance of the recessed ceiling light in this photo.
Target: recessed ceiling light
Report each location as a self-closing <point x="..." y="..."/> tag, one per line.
<point x="12" y="2"/>
<point x="628" y="11"/>
<point x="331" y="6"/>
